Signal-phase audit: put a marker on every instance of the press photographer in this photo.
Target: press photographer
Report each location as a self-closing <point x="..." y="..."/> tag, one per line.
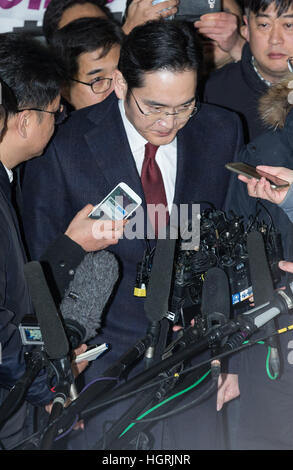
<point x="31" y="97"/>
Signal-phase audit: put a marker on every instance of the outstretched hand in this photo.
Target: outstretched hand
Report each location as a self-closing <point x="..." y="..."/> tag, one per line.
<point x="222" y="27"/>
<point x="141" y="11"/>
<point x="262" y="188"/>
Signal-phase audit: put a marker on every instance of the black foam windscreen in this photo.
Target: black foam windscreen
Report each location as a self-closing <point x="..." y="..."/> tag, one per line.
<point x="261" y="279"/>
<point x="263" y="291"/>
<point x="156" y="304"/>
<point x="216" y="295"/>
<point x="53" y="334"/>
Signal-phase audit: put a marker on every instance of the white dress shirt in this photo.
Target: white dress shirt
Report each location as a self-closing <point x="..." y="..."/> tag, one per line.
<point x="166" y="156"/>
<point x="9" y="173"/>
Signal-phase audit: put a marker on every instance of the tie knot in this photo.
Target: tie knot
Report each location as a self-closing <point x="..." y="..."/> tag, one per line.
<point x="150" y="150"/>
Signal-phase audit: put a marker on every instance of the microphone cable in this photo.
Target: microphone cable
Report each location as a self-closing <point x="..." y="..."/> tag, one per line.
<point x="245" y="345"/>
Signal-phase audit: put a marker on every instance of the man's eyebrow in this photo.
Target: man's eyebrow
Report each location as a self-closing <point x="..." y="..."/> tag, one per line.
<point x="264" y="15"/>
<point x="156" y="103"/>
<point x="93" y="72"/>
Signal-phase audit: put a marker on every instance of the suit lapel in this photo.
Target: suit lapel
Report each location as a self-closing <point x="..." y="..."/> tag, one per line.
<point x="189" y="157"/>
<point x="120" y="167"/>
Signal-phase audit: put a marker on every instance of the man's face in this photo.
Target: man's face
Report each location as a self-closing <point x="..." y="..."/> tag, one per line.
<point x="162" y="90"/>
<point x="86" y="10"/>
<point x="90" y="67"/>
<point x="41" y="129"/>
<point x="271" y="41"/>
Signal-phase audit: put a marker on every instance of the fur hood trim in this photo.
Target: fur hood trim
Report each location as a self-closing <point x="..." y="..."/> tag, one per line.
<point x="276" y="104"/>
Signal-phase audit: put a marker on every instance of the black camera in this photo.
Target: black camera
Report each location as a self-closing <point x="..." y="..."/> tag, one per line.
<point x="223" y="243"/>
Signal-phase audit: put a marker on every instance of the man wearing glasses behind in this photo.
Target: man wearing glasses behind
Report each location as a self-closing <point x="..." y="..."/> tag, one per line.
<point x="87" y="52"/>
<point x="155" y="138"/>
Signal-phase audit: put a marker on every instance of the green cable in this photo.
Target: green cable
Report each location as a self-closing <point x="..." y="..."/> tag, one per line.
<point x="166" y="401"/>
<point x="267" y="361"/>
<point x="193" y="386"/>
<point x="268" y="366"/>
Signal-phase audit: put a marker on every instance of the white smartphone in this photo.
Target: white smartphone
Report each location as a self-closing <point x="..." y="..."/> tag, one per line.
<point x="92" y="353"/>
<point x="252" y="172"/>
<point x="118" y="205"/>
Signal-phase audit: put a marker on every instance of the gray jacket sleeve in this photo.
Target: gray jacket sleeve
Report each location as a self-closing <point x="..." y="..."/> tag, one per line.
<point x="287" y="204"/>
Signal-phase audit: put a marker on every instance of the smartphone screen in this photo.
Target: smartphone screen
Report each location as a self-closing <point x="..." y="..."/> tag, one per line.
<point x="118" y="205"/>
<point x="252" y="172"/>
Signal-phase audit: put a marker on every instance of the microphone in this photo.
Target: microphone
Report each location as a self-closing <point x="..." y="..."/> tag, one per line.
<point x="215" y="306"/>
<point x="252" y="320"/>
<point x="281" y="302"/>
<point x="156" y="305"/>
<point x="53" y="335"/>
<point x="55" y="340"/>
<point x="263" y="290"/>
<point x="87" y="294"/>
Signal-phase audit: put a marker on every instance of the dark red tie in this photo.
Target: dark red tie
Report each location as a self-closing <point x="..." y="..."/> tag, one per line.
<point x="153" y="186"/>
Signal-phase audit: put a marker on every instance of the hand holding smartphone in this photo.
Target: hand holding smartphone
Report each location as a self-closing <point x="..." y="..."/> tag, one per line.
<point x="119" y="204"/>
<point x="252" y="172"/>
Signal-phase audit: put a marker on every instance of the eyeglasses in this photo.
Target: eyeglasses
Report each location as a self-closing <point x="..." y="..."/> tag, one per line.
<point x="99" y="85"/>
<point x="59" y="115"/>
<point x="290" y="64"/>
<point x="182" y="114"/>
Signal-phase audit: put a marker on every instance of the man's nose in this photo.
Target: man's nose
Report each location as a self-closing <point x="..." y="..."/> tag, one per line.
<point x="168" y="121"/>
<point x="276" y="36"/>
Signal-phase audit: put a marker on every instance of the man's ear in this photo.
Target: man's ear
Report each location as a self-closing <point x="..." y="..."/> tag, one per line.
<point x="65" y="92"/>
<point x="245" y="28"/>
<point x="120" y="85"/>
<point x="22" y="123"/>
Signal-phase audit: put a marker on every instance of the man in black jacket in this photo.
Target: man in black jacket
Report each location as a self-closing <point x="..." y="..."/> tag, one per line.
<point x="238" y="86"/>
<point x="265" y="416"/>
<point x="33" y="107"/>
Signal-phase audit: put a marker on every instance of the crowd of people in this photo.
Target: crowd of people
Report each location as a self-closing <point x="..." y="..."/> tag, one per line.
<point x="161" y="105"/>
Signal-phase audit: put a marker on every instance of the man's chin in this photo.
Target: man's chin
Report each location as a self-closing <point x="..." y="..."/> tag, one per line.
<point x="36" y="155"/>
<point x="162" y="138"/>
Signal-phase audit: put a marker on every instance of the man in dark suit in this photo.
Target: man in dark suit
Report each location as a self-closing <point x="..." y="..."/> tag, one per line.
<point x="100" y="146"/>
<point x="30" y="93"/>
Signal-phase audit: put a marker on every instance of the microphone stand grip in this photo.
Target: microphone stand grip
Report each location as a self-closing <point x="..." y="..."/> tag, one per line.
<point x="51" y="431"/>
<point x="65" y="382"/>
<point x="158" y="332"/>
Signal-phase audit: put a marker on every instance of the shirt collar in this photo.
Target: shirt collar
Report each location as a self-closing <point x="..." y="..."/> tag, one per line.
<point x="135" y="139"/>
<point x="253" y="61"/>
<point x="9" y="173"/>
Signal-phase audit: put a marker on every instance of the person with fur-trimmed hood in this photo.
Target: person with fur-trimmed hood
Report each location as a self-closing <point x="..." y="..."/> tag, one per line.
<point x="265" y="414"/>
<point x="239" y="86"/>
